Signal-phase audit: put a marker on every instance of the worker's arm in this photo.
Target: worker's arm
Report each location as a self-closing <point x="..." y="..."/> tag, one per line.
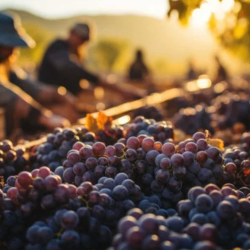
<point x="43" y="93"/>
<point x="19" y="105"/>
<point x="69" y="68"/>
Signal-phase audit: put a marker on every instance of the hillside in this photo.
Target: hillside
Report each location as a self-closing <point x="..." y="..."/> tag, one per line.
<point x="168" y="45"/>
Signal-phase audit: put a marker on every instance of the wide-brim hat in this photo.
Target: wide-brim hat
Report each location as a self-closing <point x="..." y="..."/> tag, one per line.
<point x="12" y="34"/>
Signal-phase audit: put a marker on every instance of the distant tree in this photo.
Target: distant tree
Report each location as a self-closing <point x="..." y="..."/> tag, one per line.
<point x="107" y="53"/>
<point x="232" y="30"/>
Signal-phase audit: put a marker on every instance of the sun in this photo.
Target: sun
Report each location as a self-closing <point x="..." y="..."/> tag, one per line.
<point x="202" y="15"/>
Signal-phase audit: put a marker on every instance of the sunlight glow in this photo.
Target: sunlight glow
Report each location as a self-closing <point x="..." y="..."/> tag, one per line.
<point x="219" y="8"/>
<point x="100" y="106"/>
<point x="204" y="82"/>
<point x="61" y="90"/>
<point x="99" y="93"/>
<point x="122" y="120"/>
<point x="84" y="84"/>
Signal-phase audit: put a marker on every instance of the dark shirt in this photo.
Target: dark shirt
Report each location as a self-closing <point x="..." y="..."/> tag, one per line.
<point x="57" y="68"/>
<point x="138" y="71"/>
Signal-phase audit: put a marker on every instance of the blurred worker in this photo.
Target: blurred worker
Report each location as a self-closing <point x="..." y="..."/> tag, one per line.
<point x="191" y="73"/>
<point x="221" y="74"/>
<point x="61" y="64"/>
<point x="20" y="97"/>
<point x="138" y="70"/>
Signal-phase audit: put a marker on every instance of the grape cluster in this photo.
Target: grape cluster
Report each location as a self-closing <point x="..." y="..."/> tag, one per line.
<point x="149" y="112"/>
<point x="160" y="131"/>
<point x="72" y="230"/>
<point x="12" y="160"/>
<point x="227" y="209"/>
<point x="192" y="162"/>
<point x="211" y="218"/>
<point x="191" y="120"/>
<point x="54" y="151"/>
<point x="237" y="160"/>
<point x="160" y="194"/>
<point x="226" y="105"/>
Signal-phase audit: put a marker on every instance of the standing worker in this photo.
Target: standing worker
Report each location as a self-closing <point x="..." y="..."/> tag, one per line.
<point x="138" y="70"/>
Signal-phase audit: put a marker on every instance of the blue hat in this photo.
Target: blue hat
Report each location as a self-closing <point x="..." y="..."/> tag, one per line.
<point x="12" y="34"/>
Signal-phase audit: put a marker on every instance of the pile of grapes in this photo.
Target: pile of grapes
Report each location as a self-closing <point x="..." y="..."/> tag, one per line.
<point x="123" y="188"/>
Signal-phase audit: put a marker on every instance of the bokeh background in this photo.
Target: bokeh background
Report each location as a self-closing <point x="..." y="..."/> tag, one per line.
<point x="122" y="27"/>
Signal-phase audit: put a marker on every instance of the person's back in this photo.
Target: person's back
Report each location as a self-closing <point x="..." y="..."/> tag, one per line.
<point x="47" y="71"/>
<point x="61" y="64"/>
<point x="138" y="69"/>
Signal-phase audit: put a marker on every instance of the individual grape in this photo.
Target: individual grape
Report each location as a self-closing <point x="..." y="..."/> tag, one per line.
<point x="111" y="172"/>
<point x="131" y="154"/>
<point x="69" y="220"/>
<point x="179" y="173"/>
<point x="195" y="192"/>
<point x="150" y="156"/>
<point x="70" y="238"/>
<point x="102" y="161"/>
<point x="99" y="171"/>
<point x="119" y="178"/>
<point x="168" y="149"/>
<point x="162" y="176"/>
<point x="199" y="218"/>
<point x="135" y="212"/>
<point x="140" y="154"/>
<point x="110" y="150"/>
<point x="174" y="184"/>
<point x="177" y="160"/>
<point x="51" y="182"/>
<point x="91" y="163"/>
<point x="133" y="142"/>
<point x="140" y="167"/>
<point x="225" y="210"/>
<point x="158" y="146"/>
<point x="204" y="203"/>
<point x="147" y="144"/>
<point x="86" y="152"/>
<point x="198" y="135"/>
<point x="149" y="224"/>
<point x="165" y="164"/>
<point x="119" y="149"/>
<point x="98" y="149"/>
<point x="79" y="168"/>
<point x="89" y="176"/>
<point x="24" y="179"/>
<point x="43" y="172"/>
<point x="151" y="242"/>
<point x="175" y="223"/>
<point x="191" y="147"/>
<point x="78" y="145"/>
<point x="69" y="175"/>
<point x="135" y="236"/>
<point x="125" y="224"/>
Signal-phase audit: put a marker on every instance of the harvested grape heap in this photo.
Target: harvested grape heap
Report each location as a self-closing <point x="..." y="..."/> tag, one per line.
<point x="121" y="188"/>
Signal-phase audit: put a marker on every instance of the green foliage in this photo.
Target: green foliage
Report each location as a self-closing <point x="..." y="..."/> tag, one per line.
<point x="108" y="53"/>
<point x="42" y="38"/>
<point x="233" y="31"/>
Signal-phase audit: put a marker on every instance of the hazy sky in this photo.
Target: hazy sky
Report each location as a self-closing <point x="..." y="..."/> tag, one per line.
<point x="61" y="8"/>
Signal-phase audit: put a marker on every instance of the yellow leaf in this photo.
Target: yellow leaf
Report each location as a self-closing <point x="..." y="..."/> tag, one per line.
<point x="91" y="123"/>
<point x="103" y="121"/>
<point x="218" y="143"/>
